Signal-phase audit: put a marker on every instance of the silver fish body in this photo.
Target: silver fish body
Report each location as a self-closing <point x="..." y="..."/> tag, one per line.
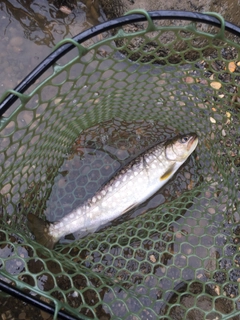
<point x="132" y="185"/>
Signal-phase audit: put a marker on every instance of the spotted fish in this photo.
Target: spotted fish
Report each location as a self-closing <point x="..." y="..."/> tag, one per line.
<point x="129" y="187"/>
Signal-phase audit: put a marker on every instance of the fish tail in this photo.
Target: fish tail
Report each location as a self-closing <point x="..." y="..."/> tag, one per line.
<point x="40" y="229"/>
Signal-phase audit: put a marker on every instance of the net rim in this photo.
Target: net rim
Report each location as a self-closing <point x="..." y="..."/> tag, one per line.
<point x="212" y="19"/>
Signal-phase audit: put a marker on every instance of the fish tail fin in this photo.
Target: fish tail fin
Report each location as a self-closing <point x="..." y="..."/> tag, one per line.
<point x="40" y="229"/>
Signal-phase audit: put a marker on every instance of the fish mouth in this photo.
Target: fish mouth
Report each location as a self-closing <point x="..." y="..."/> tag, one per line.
<point x="193" y="141"/>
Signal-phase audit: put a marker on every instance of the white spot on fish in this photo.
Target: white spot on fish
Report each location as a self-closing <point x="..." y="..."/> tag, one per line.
<point x="124" y="178"/>
<point x="117" y="183"/>
<point x="94" y="199"/>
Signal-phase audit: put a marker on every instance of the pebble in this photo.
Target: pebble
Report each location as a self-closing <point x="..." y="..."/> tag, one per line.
<point x="22" y="315"/>
<point x="45" y="315"/>
<point x="57" y="101"/>
<point x="16" y="41"/>
<point x="211" y="210"/>
<point x="62" y="183"/>
<point x="224" y="133"/>
<point x="217" y="290"/>
<point x="212" y="120"/>
<point x="17" y="49"/>
<point x="6" y="189"/>
<point x="187" y="175"/>
<point x="152" y="258"/>
<point x="178" y="235"/>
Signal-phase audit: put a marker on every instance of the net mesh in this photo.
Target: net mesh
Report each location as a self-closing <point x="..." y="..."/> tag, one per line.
<point x="177" y="255"/>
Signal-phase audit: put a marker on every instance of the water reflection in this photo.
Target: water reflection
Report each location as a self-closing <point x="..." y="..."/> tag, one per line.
<point x="40" y="20"/>
<point x="26" y="25"/>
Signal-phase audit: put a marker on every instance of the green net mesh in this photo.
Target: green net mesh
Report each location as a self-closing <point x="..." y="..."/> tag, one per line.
<point x="176" y="256"/>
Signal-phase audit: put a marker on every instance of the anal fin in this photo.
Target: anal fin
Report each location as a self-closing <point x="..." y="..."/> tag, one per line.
<point x="129" y="208"/>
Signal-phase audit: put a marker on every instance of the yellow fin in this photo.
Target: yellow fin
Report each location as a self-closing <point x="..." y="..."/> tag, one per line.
<point x="167" y="174"/>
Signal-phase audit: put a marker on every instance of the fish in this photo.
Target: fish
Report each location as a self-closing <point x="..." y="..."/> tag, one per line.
<point x="130" y="186"/>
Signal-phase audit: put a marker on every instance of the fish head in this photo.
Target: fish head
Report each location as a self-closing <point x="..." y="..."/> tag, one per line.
<point x="180" y="147"/>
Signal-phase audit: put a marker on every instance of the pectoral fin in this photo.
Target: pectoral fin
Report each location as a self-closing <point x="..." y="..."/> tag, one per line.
<point x="167" y="174"/>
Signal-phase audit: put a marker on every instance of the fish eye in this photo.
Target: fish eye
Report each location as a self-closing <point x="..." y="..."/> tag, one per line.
<point x="184" y="139"/>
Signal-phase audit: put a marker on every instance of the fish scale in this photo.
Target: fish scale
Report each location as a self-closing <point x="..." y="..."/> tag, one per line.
<point x="132" y="185"/>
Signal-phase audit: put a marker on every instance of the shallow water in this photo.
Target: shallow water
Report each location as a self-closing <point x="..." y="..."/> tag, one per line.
<point x="30" y="29"/>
